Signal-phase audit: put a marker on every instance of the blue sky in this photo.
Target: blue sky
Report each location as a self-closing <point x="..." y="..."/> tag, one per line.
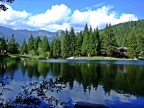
<point x="123" y="6"/>
<point x="53" y="15"/>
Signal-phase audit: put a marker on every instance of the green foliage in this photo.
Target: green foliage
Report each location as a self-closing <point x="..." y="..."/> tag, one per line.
<point x="135" y="45"/>
<point x="132" y="44"/>
<point x="45" y="45"/>
<point x="37" y="42"/>
<point x="30" y="44"/>
<point x="32" y="52"/>
<point x="12" y="46"/>
<point x="93" y="43"/>
<point x="98" y="47"/>
<point x="123" y="31"/>
<point x="45" y="55"/>
<point x="72" y="42"/>
<point x="23" y="48"/>
<point x="140" y="44"/>
<point x="62" y="39"/>
<point x="56" y="47"/>
<point x="109" y="41"/>
<point x="3" y="45"/>
<point x="66" y="45"/>
<point x="85" y="43"/>
<point x="90" y="42"/>
<point x="79" y="41"/>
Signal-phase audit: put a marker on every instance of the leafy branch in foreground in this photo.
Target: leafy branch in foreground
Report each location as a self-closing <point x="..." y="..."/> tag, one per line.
<point x="36" y="94"/>
<point x="2" y="5"/>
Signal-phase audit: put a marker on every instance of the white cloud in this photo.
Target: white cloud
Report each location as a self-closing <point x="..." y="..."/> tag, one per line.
<point x="127" y="17"/>
<point x="58" y="14"/>
<point x="60" y="17"/>
<point x="12" y="17"/>
<point x="100" y="17"/>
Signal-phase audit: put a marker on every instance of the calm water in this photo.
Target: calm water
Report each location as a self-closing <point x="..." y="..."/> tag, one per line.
<point x="59" y="83"/>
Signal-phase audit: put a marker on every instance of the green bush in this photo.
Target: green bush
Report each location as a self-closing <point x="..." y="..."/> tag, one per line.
<point x="45" y="55"/>
<point x="33" y="52"/>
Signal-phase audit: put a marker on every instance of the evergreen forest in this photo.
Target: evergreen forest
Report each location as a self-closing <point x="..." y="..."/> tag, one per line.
<point x="89" y="42"/>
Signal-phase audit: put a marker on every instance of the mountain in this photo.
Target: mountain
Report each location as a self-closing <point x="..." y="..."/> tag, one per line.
<point x="20" y="35"/>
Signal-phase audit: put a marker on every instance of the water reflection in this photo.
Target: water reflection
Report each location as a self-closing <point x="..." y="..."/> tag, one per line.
<point x="108" y="80"/>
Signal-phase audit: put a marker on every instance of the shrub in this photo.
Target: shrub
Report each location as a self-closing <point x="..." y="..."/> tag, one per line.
<point x="45" y="55"/>
<point x="33" y="52"/>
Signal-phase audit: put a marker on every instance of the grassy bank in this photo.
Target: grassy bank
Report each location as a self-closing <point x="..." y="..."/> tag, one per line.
<point x="18" y="57"/>
<point x="102" y="58"/>
<point x="11" y="57"/>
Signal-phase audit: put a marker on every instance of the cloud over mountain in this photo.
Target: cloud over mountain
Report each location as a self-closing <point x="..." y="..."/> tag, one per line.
<point x="12" y="17"/>
<point x="60" y="17"/>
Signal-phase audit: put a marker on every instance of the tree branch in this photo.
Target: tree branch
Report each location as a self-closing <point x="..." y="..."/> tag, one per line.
<point x="2" y="6"/>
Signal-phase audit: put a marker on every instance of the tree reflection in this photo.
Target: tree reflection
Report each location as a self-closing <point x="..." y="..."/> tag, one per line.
<point x="90" y="76"/>
<point x="36" y="95"/>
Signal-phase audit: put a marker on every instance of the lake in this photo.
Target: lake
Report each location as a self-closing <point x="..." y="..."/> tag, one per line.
<point x="63" y="83"/>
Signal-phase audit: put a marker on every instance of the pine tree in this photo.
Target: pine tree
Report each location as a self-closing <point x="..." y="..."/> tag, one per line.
<point x="66" y="45"/>
<point x="13" y="45"/>
<point x="109" y="41"/>
<point x="45" y="45"/>
<point x="30" y="44"/>
<point x="92" y="43"/>
<point x="132" y="45"/>
<point x="62" y="42"/>
<point x="3" y="46"/>
<point x="24" y="47"/>
<point x="98" y="46"/>
<point x="79" y="40"/>
<point x="72" y="42"/>
<point x="56" y="47"/>
<point x="140" y="44"/>
<point x="85" y="41"/>
<point x="37" y="42"/>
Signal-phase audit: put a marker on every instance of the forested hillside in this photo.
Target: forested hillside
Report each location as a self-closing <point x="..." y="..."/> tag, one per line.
<point x="89" y="42"/>
<point x="131" y="35"/>
<point x="124" y="31"/>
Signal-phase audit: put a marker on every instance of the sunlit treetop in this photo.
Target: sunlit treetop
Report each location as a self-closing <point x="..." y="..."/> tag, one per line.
<point x="2" y="5"/>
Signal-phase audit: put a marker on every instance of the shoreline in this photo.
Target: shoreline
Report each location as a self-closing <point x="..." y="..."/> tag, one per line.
<point x="98" y="58"/>
<point x="23" y="57"/>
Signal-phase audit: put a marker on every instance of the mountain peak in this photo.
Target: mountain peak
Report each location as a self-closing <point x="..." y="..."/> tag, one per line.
<point x="20" y="35"/>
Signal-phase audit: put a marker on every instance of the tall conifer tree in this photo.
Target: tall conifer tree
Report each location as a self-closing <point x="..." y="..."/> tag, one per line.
<point x="109" y="41"/>
<point x="85" y="41"/>
<point x="72" y="42"/>
<point x="79" y="40"/>
<point x="98" y="47"/>
<point x="13" y="45"/>
<point x="23" y="49"/>
<point x="45" y="45"/>
<point x="30" y="44"/>
<point x="66" y="45"/>
<point x="37" y="42"/>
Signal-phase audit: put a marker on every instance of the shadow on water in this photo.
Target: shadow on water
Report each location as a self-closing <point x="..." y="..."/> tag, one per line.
<point x="50" y="84"/>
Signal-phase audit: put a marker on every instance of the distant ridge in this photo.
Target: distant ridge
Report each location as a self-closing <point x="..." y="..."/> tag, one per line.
<point x="20" y="35"/>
